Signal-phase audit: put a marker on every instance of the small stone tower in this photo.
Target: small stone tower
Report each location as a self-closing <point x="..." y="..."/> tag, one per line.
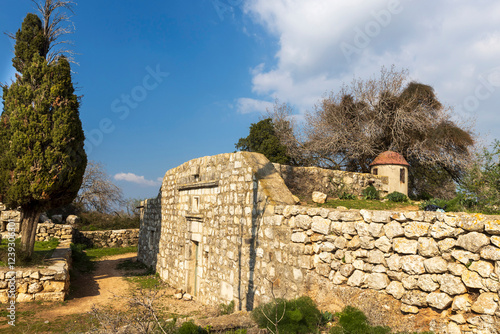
<point x="395" y="167"/>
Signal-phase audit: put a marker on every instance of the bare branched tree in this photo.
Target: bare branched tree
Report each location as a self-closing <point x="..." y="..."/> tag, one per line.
<point x="98" y="192"/>
<point x="349" y="129"/>
<point x="56" y="24"/>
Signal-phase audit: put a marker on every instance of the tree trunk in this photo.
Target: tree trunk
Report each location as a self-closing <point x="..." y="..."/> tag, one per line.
<point x="29" y="222"/>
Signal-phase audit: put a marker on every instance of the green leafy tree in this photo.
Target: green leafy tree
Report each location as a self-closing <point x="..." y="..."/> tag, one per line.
<point x="263" y="139"/>
<point x="481" y="184"/>
<point x="42" y="159"/>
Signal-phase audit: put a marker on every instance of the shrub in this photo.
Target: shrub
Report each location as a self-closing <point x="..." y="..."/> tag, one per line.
<point x="353" y="321"/>
<point x="297" y="316"/>
<point x="190" y="328"/>
<point x="370" y="193"/>
<point x="346" y="195"/>
<point x="396" y="196"/>
<point x="226" y="309"/>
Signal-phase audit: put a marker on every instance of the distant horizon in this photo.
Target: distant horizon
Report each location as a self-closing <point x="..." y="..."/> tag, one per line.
<point x="164" y="82"/>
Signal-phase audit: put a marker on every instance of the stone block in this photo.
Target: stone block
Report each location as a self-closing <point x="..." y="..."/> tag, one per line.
<point x="415" y="230"/>
<point x="426" y="283"/>
<point x="451" y="285"/>
<point x="318" y="197"/>
<point x="395" y="289"/>
<point x="409" y="309"/>
<point x="472" y="279"/>
<point x="486" y="303"/>
<point x="435" y="265"/>
<point x="483" y="268"/>
<point x="393" y="230"/>
<point x="461" y="303"/>
<point x="472" y="241"/>
<point x="427" y="247"/>
<point x="439" y="300"/>
<point x="377" y="281"/>
<point x="356" y="279"/>
<point x="490" y="253"/>
<point x="320" y="225"/>
<point x="472" y="223"/>
<point x="415" y="298"/>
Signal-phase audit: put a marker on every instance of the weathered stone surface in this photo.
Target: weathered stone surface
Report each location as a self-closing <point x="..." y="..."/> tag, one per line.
<point x="339" y="279"/>
<point x="340" y="243"/>
<point x="377" y="281"/>
<point x="356" y="279"/>
<point x="495" y="240"/>
<point x="35" y="287"/>
<point x="395" y="289"/>
<point x="435" y="265"/>
<point x="490" y="253"/>
<point x="472" y="241"/>
<point x="472" y="279"/>
<point x="393" y="262"/>
<point x="323" y="269"/>
<point x="415" y="230"/>
<point x="346" y="270"/>
<point x="348" y="228"/>
<point x="301" y="221"/>
<point x="415" y="298"/>
<point x="350" y="216"/>
<point x="453" y="328"/>
<point x="300" y="237"/>
<point x="72" y="219"/>
<point x="384" y="244"/>
<point x="410" y="282"/>
<point x="456" y="268"/>
<point x="320" y="225"/>
<point x="483" y="268"/>
<point x="413" y="264"/>
<point x="426" y="283"/>
<point x="54" y="286"/>
<point x="318" y="197"/>
<point x="427" y="247"/>
<point x="393" y="230"/>
<point x="451" y="285"/>
<point x="326" y="257"/>
<point x="441" y="230"/>
<point x="327" y="247"/>
<point x="409" y="309"/>
<point x="492" y="226"/>
<point x="375" y="257"/>
<point x="405" y="246"/>
<point x="439" y="300"/>
<point x="362" y="229"/>
<point x="486" y="303"/>
<point x="381" y="216"/>
<point x="446" y="244"/>
<point x="464" y="256"/>
<point x="461" y="303"/>
<point x="376" y="230"/>
<point x="458" y="318"/>
<point x="472" y="223"/>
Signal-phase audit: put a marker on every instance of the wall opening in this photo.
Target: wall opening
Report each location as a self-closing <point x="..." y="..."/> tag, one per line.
<point x="193" y="268"/>
<point x="402" y="175"/>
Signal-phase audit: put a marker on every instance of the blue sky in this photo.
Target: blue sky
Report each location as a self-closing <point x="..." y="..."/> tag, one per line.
<point x="167" y="81"/>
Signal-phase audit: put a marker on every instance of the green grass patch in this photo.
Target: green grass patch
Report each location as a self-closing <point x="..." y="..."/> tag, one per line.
<point x="42" y="251"/>
<point x="153" y="282"/>
<point x="97" y="253"/>
<point x="364" y="204"/>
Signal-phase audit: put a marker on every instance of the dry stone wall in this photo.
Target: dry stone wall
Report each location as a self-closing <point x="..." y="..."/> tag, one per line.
<point x="47" y="283"/>
<point x="228" y="231"/>
<point x="105" y="239"/>
<point x="303" y="181"/>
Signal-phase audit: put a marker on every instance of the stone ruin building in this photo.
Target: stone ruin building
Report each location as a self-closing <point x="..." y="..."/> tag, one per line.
<point x="227" y="228"/>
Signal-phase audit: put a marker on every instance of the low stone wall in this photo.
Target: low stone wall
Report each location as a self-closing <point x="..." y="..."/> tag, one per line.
<point x="302" y="181"/>
<point x="445" y="261"/>
<point x="47" y="283"/>
<point x="150" y="231"/>
<point x="112" y="238"/>
<point x="47" y="231"/>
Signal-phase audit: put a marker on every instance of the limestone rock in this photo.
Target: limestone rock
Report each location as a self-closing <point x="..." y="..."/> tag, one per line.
<point x="350" y="216"/>
<point x="453" y="328"/>
<point x="436" y="265"/>
<point x="473" y="241"/>
<point x="486" y="303"/>
<point x="339" y="279"/>
<point x="384" y="244"/>
<point x="381" y="216"/>
<point x="187" y="297"/>
<point x="446" y="244"/>
<point x="441" y="230"/>
<point x="461" y="303"/>
<point x="318" y="197"/>
<point x="472" y="279"/>
<point x="451" y="285"/>
<point x="458" y="318"/>
<point x="483" y="268"/>
<point x="464" y="256"/>
<point x="492" y="226"/>
<point x="439" y="300"/>
<point x="346" y="270"/>
<point x="35" y="287"/>
<point x="393" y="262"/>
<point x="375" y="257"/>
<point x="473" y="223"/>
<point x="409" y="309"/>
<point x="354" y="243"/>
<point x="320" y="225"/>
<point x="410" y="282"/>
<point x="393" y="230"/>
<point x="413" y="264"/>
<point x="456" y="269"/>
<point x="415" y="298"/>
<point x="300" y="237"/>
<point x="426" y="283"/>
<point x="405" y="246"/>
<point x="356" y="279"/>
<point x="490" y="253"/>
<point x="427" y="247"/>
<point x="395" y="289"/>
<point x="302" y="221"/>
<point x="376" y="230"/>
<point x="377" y="281"/>
<point x="415" y="230"/>
<point x="72" y="220"/>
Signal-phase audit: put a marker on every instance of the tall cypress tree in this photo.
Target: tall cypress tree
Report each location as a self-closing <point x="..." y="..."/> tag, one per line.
<point x="42" y="159"/>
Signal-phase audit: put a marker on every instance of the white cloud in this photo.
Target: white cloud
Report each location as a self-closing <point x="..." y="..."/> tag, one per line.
<point x="324" y="43"/>
<point x="131" y="177"/>
<point x="246" y="105"/>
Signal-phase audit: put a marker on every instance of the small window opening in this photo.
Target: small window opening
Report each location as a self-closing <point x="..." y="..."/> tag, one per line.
<point x="375" y="171"/>
<point x="196" y="177"/>
<point x="196" y="204"/>
<point x="402" y="175"/>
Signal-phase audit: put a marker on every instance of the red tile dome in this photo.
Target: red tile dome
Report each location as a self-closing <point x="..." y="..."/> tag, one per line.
<point x="390" y="158"/>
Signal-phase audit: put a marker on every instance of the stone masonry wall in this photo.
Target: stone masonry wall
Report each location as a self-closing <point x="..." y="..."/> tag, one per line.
<point x="302" y="181"/>
<point x="150" y="231"/>
<point x="47" y="283"/>
<point x="104" y="239"/>
<point x="229" y="229"/>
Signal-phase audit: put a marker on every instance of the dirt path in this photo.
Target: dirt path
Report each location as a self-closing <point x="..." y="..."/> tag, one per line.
<point x="97" y="288"/>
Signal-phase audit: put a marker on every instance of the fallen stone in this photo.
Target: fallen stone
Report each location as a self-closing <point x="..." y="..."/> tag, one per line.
<point x="318" y="197"/>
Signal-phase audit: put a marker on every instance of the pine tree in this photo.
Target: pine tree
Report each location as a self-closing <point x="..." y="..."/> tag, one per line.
<point x="42" y="159"/>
